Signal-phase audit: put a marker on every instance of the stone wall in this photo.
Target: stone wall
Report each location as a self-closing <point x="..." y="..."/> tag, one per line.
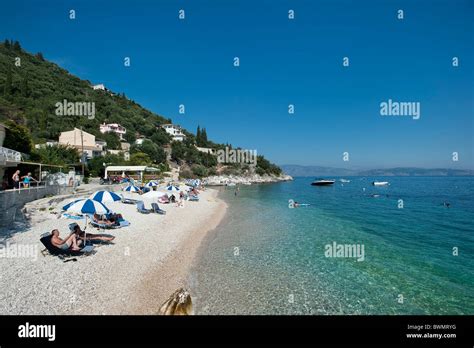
<point x="12" y="201"/>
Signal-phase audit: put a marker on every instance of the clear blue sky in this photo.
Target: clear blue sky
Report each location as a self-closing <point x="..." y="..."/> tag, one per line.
<point x="282" y="62"/>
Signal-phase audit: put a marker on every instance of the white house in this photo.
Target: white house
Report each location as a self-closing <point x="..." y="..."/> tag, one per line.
<point x="99" y="87"/>
<point x="206" y="150"/>
<point x="113" y="128"/>
<point x="139" y="140"/>
<point x="48" y="143"/>
<point x="175" y="131"/>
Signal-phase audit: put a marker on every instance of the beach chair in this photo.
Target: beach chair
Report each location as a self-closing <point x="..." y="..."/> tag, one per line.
<point x="129" y="201"/>
<point x="156" y="209"/>
<point x="193" y="198"/>
<point x="61" y="253"/>
<point x="141" y="208"/>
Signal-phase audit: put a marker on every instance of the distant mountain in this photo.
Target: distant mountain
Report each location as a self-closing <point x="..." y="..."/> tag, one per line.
<point x="298" y="170"/>
<point x="417" y="172"/>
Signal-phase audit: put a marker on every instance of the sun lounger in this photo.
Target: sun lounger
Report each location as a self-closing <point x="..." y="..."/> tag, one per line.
<point x="55" y="251"/>
<point x="129" y="201"/>
<point x="193" y="198"/>
<point x="74" y="217"/>
<point x="141" y="208"/>
<point x="156" y="209"/>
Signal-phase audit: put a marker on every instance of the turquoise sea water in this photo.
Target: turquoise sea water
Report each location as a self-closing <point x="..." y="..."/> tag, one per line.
<point x="268" y="259"/>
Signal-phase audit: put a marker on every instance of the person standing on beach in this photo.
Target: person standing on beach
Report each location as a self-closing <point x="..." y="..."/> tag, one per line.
<point x="16" y="179"/>
<point x="26" y="180"/>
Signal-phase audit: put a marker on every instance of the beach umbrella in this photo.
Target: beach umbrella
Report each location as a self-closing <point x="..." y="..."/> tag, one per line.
<point x="172" y="188"/>
<point x="152" y="184"/>
<point x="87" y="206"/>
<point x="69" y="204"/>
<point x="105" y="196"/>
<point x="131" y="188"/>
<point x="154" y="194"/>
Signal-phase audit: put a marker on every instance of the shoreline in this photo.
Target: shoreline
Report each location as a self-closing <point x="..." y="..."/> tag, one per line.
<point x="175" y="270"/>
<point x="134" y="275"/>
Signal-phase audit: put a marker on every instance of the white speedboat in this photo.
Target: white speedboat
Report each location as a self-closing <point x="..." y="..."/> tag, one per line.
<point x="344" y="180"/>
<point x="380" y="183"/>
<point x="322" y="182"/>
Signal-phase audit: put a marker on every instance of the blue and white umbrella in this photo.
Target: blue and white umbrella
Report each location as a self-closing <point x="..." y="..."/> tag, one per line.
<point x="87" y="206"/>
<point x="172" y="188"/>
<point x="131" y="188"/>
<point x="151" y="184"/>
<point x="105" y="196"/>
<point x="66" y="207"/>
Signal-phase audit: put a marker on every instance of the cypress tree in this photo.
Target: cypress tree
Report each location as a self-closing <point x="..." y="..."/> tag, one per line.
<point x="204" y="137"/>
<point x="17" y="46"/>
<point x="198" y="136"/>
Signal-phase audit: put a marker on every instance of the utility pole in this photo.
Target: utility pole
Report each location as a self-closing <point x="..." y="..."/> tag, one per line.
<point x="82" y="152"/>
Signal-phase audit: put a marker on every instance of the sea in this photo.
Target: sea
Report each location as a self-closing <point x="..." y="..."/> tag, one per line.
<point x="268" y="258"/>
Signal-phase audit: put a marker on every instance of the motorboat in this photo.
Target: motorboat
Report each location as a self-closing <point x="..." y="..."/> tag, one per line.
<point x="380" y="183"/>
<point x="322" y="182"/>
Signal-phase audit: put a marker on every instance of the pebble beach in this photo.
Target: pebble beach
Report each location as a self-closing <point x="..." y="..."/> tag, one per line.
<point x="146" y="262"/>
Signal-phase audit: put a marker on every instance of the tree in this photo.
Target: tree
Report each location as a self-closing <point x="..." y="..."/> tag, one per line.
<point x="204" y="137"/>
<point x="199" y="170"/>
<point x="17" y="46"/>
<point x="58" y="155"/>
<point x="8" y="88"/>
<point x="177" y="151"/>
<point x="7" y="44"/>
<point x="113" y="141"/>
<point x="198" y="136"/>
<point x="160" y="137"/>
<point x="25" y="92"/>
<point x="156" y="153"/>
<point x="39" y="56"/>
<point x="18" y="138"/>
<point x="96" y="164"/>
<point x="139" y="159"/>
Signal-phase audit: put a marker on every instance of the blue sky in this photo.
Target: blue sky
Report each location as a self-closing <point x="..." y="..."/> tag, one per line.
<point x="283" y="62"/>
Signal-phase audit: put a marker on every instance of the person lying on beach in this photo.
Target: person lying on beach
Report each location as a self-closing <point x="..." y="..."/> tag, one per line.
<point x="70" y="243"/>
<point x="90" y="236"/>
<point x="97" y="218"/>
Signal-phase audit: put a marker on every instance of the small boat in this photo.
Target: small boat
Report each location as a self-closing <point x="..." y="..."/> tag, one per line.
<point x="344" y="180"/>
<point x="380" y="183"/>
<point x="230" y="184"/>
<point x="322" y="182"/>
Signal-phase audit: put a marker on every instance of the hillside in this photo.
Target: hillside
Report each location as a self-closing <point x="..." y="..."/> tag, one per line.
<point x="30" y="87"/>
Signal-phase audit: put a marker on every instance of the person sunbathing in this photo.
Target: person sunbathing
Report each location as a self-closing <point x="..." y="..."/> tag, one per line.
<point x="90" y="236"/>
<point x="97" y="218"/>
<point x="70" y="243"/>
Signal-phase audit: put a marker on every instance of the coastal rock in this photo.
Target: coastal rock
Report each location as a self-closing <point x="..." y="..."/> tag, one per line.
<point x="220" y="180"/>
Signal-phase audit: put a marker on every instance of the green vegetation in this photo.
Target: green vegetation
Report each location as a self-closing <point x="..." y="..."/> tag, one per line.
<point x="30" y="87"/>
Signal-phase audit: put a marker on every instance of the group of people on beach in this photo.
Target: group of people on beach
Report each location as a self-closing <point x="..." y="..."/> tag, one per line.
<point x="25" y="179"/>
<point x="77" y="239"/>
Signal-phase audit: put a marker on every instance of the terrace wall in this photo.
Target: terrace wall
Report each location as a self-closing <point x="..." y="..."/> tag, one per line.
<point x="12" y="201"/>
